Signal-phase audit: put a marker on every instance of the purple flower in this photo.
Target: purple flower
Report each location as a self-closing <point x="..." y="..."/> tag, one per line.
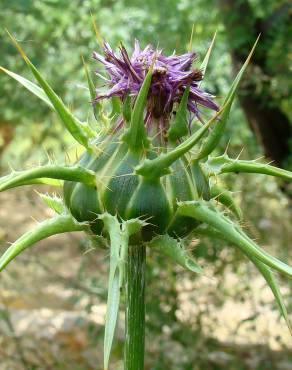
<point x="171" y="75"/>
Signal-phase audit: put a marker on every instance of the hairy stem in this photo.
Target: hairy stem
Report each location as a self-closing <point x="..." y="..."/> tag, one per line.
<point x="135" y="308"/>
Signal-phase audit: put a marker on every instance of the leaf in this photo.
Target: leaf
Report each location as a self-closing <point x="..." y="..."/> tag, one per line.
<point x="116" y="106"/>
<point x="79" y="130"/>
<point x="201" y="180"/>
<point x="54" y="202"/>
<point x="119" y="238"/>
<point x="173" y="249"/>
<point x="272" y="282"/>
<point x="97" y="106"/>
<point x="112" y="309"/>
<point x="160" y="166"/>
<point x="35" y="175"/>
<point x="127" y="109"/>
<point x="113" y="298"/>
<point x="263" y="269"/>
<point x="205" y="62"/>
<point x="136" y="136"/>
<point x="180" y="126"/>
<point x="53" y="226"/>
<point x="225" y="197"/>
<point x="200" y="210"/>
<point x="213" y="139"/>
<point x="224" y="164"/>
<point x="35" y="89"/>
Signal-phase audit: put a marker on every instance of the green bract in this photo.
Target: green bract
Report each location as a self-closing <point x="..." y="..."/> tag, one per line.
<point x="134" y="190"/>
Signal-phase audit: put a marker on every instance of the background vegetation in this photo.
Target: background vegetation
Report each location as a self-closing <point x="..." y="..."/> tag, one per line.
<point x="52" y="298"/>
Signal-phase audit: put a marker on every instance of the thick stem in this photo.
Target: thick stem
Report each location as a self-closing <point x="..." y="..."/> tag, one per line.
<point x="135" y="308"/>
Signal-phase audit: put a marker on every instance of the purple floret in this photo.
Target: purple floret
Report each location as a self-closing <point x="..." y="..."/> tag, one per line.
<point x="171" y="75"/>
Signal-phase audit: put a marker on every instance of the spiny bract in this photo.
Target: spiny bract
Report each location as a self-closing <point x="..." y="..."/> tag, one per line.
<point x="162" y="94"/>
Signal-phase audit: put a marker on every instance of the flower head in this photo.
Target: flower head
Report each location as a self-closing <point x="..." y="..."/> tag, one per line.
<point x="171" y="75"/>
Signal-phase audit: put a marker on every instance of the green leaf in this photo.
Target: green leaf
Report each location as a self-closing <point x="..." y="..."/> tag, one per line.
<point x="53" y="226"/>
<point x="113" y="298"/>
<point x="90" y="83"/>
<point x="273" y="284"/>
<point x="207" y="230"/>
<point x="224" y="164"/>
<point x="213" y="139"/>
<point x="54" y="202"/>
<point x="180" y="126"/>
<point x="116" y="106"/>
<point x="201" y="211"/>
<point x="119" y="238"/>
<point x="136" y="136"/>
<point x="266" y="272"/>
<point x="225" y="197"/>
<point x="127" y="109"/>
<point x="35" y="89"/>
<point x="173" y="249"/>
<point x="160" y="166"/>
<point x="79" y="130"/>
<point x="97" y="106"/>
<point x="35" y="175"/>
<point x="205" y="62"/>
<point x="201" y="180"/>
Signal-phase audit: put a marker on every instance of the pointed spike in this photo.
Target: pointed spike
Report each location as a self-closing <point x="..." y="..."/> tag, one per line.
<point x="205" y="62"/>
<point x="96" y="30"/>
<point x="240" y="153"/>
<point x="80" y="131"/>
<point x="227" y="147"/>
<point x="213" y="139"/>
<point x="56" y="225"/>
<point x="191" y="38"/>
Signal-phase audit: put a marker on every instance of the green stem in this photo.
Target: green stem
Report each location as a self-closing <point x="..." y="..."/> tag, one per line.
<point x="135" y="308"/>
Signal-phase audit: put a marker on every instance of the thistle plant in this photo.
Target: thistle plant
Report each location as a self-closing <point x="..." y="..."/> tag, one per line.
<point x="147" y="177"/>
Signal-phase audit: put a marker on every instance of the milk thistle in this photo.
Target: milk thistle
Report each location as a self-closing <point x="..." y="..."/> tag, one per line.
<point x="146" y="177"/>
